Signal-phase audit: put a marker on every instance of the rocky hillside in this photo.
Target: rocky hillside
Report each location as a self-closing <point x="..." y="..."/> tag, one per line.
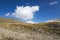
<point x="16" y="30"/>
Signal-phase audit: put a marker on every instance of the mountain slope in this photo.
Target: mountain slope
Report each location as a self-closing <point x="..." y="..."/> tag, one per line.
<point x="16" y="30"/>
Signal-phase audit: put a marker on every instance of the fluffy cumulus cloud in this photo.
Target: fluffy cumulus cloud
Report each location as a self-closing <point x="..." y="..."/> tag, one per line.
<point x="52" y="3"/>
<point x="25" y="12"/>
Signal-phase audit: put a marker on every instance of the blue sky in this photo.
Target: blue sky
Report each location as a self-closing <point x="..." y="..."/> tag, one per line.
<point x="48" y="9"/>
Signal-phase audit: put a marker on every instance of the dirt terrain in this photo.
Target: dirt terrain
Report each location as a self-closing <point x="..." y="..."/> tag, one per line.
<point x="15" y="30"/>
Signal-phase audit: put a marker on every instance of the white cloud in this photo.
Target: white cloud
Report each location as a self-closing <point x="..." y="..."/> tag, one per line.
<point x="32" y="22"/>
<point x="7" y="14"/>
<point x="52" y="3"/>
<point x="49" y="21"/>
<point x="25" y="12"/>
<point x="56" y="20"/>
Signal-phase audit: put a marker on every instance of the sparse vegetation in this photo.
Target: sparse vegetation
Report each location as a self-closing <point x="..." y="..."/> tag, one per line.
<point x="29" y="31"/>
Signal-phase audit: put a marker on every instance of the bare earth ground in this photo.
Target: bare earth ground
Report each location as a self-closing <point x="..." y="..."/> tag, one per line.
<point x="6" y="34"/>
